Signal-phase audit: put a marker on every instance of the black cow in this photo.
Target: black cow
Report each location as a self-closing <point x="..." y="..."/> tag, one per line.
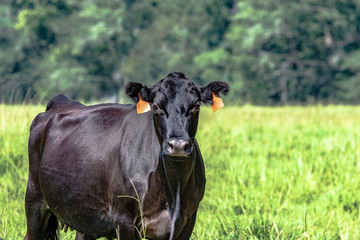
<point x="108" y="171"/>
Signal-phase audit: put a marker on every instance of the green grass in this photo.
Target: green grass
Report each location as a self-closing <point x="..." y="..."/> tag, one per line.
<point x="14" y="132"/>
<point x="272" y="173"/>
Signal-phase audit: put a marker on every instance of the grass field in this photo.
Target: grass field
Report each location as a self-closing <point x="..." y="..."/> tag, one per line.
<point x="272" y="173"/>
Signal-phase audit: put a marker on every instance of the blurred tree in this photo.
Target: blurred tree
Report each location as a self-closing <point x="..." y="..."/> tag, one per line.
<point x="292" y="51"/>
<point x="271" y="52"/>
<point x="27" y="39"/>
<point x="85" y="61"/>
<point x="345" y="60"/>
<point x="17" y="55"/>
<point x="80" y="46"/>
<point x="180" y="32"/>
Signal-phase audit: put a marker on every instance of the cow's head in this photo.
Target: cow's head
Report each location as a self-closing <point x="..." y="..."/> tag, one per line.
<point x="175" y="104"/>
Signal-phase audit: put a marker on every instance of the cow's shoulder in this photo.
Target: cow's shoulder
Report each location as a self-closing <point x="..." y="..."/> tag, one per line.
<point x="61" y="102"/>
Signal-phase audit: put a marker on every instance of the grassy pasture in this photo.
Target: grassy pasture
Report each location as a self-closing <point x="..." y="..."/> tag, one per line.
<point x="272" y="173"/>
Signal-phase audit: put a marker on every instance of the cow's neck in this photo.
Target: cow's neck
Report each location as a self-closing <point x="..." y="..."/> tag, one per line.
<point x="181" y="190"/>
<point x="179" y="195"/>
<point x="180" y="177"/>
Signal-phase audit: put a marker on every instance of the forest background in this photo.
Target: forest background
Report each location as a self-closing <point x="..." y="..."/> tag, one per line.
<point x="272" y="52"/>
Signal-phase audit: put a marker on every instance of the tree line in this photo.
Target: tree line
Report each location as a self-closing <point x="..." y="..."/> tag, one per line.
<point x="272" y="52"/>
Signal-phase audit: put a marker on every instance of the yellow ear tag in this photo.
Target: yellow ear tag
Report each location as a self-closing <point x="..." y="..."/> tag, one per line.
<point x="142" y="106"/>
<point x="217" y="102"/>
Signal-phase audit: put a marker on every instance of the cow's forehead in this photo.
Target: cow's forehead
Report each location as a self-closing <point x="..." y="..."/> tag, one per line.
<point x="178" y="87"/>
<point x="177" y="91"/>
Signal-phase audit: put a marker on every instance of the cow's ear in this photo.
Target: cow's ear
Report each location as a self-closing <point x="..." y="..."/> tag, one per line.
<point x="140" y="94"/>
<point x="211" y="94"/>
<point x="132" y="90"/>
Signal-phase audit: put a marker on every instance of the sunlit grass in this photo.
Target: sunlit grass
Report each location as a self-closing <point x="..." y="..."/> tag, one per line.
<point x="14" y="132"/>
<point x="268" y="168"/>
<point x="272" y="173"/>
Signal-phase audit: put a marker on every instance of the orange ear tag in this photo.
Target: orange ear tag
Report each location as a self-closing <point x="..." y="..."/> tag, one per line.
<point x="142" y="106"/>
<point x="217" y="102"/>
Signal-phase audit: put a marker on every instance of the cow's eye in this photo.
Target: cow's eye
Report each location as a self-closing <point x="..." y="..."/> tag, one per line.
<point x="157" y="111"/>
<point x="155" y="108"/>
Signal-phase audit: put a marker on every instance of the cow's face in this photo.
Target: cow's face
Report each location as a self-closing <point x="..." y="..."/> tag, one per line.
<point x="175" y="104"/>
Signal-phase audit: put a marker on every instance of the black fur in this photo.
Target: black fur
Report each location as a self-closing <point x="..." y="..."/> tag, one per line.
<point x="133" y="88"/>
<point x="216" y="87"/>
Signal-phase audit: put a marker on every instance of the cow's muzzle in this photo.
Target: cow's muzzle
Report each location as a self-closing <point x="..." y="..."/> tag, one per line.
<point x="178" y="147"/>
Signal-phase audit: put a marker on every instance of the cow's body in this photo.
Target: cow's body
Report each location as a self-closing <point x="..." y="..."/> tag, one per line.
<point x="91" y="166"/>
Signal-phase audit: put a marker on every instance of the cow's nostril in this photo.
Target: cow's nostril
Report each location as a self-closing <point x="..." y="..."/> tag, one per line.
<point x="186" y="146"/>
<point x="170" y="146"/>
<point x="178" y="147"/>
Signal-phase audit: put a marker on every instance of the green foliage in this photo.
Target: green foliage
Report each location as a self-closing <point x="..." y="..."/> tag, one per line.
<point x="272" y="173"/>
<point x="293" y="51"/>
<point x="271" y="52"/>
